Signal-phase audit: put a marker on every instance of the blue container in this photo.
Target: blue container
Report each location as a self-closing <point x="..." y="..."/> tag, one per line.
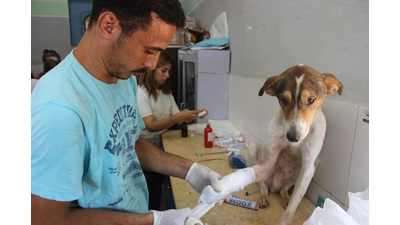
<point x="236" y="160"/>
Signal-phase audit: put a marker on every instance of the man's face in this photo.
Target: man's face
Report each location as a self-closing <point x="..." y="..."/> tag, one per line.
<point x="134" y="55"/>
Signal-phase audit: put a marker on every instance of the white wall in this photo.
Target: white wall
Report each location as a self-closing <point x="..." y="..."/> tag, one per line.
<point x="328" y="35"/>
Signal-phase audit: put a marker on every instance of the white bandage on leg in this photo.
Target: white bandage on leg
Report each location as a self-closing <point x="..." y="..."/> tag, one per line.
<point x="230" y="183"/>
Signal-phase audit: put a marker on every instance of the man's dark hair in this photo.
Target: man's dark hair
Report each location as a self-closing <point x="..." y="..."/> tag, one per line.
<point x="136" y="14"/>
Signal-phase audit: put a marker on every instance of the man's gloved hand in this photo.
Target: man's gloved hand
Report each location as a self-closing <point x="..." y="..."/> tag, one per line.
<point x="230" y="183"/>
<point x="171" y="217"/>
<point x="200" y="176"/>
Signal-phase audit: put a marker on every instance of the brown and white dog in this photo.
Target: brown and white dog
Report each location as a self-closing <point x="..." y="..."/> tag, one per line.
<point x="294" y="136"/>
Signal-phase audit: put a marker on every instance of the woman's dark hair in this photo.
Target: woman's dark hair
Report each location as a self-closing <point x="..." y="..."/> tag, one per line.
<point x="49" y="53"/>
<point x="50" y="59"/>
<point x="146" y="79"/>
<point x="136" y="14"/>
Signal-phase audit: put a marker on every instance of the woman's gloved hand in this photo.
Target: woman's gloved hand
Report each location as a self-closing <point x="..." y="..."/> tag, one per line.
<point x="171" y="217"/>
<point x="200" y="176"/>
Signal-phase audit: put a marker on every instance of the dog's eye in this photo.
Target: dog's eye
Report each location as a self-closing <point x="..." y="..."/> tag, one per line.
<point x="310" y="101"/>
<point x="283" y="101"/>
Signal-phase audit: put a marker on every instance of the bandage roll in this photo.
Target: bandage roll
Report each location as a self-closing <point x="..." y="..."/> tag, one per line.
<point x="193" y="221"/>
<point x="221" y="140"/>
<point x="235" y="147"/>
<point x="235" y="200"/>
<point x="224" y="144"/>
<point x="239" y="138"/>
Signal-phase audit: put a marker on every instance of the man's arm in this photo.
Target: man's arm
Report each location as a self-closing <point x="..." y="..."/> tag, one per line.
<point x="44" y="211"/>
<point x="153" y="159"/>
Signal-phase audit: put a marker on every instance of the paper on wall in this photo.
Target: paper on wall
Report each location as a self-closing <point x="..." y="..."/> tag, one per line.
<point x="220" y="27"/>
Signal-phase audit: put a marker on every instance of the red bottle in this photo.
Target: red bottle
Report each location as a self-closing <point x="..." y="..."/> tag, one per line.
<point x="184" y="130"/>
<point x="208" y="136"/>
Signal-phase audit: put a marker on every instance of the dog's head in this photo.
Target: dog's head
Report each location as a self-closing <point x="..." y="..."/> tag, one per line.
<point x="300" y="90"/>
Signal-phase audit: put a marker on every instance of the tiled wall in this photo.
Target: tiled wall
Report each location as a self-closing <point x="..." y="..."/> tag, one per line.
<point x="344" y="157"/>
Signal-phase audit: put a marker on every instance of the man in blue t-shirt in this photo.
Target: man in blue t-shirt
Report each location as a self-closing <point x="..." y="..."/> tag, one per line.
<point x="87" y="156"/>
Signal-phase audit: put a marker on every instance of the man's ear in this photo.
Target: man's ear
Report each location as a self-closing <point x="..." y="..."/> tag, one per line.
<point x="108" y="24"/>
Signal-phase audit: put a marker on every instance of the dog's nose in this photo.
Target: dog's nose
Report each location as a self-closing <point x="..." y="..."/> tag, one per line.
<point x="293" y="136"/>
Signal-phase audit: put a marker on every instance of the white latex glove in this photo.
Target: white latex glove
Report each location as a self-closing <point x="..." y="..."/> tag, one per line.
<point x="200" y="176"/>
<point x="171" y="217"/>
<point x="230" y="183"/>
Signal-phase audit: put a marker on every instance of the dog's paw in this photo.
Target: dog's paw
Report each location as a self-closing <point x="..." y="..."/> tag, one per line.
<point x="285" y="202"/>
<point x="263" y="201"/>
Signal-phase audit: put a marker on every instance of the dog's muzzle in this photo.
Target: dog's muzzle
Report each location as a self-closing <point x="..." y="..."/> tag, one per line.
<point x="293" y="136"/>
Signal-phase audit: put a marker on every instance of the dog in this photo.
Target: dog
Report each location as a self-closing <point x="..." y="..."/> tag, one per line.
<point x="295" y="134"/>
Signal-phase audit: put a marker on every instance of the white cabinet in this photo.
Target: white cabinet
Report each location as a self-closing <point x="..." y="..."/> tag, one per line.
<point x="344" y="158"/>
<point x="203" y="82"/>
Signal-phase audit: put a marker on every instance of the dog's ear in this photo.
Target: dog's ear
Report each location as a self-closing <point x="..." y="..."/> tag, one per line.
<point x="269" y="86"/>
<point x="332" y="84"/>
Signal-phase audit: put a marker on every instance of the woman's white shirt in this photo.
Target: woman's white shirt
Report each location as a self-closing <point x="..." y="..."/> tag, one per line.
<point x="164" y="107"/>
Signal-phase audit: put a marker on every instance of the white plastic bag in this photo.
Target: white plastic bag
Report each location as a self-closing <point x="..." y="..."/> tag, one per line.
<point x="359" y="206"/>
<point x="331" y="214"/>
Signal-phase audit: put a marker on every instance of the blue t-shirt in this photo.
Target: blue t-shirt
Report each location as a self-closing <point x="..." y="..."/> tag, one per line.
<point x="83" y="140"/>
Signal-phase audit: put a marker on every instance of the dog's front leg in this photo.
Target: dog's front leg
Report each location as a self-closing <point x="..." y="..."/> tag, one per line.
<point x="255" y="157"/>
<point x="304" y="179"/>
<point x="268" y="157"/>
<point x="265" y="170"/>
<point x="263" y="200"/>
<point x="310" y="153"/>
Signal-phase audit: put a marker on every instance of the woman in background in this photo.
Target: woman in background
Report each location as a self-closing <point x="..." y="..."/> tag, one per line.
<point x="159" y="111"/>
<point x="50" y="60"/>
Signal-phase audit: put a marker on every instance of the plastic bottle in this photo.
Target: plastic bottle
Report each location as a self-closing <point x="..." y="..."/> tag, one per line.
<point x="184" y="130"/>
<point x="208" y="136"/>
